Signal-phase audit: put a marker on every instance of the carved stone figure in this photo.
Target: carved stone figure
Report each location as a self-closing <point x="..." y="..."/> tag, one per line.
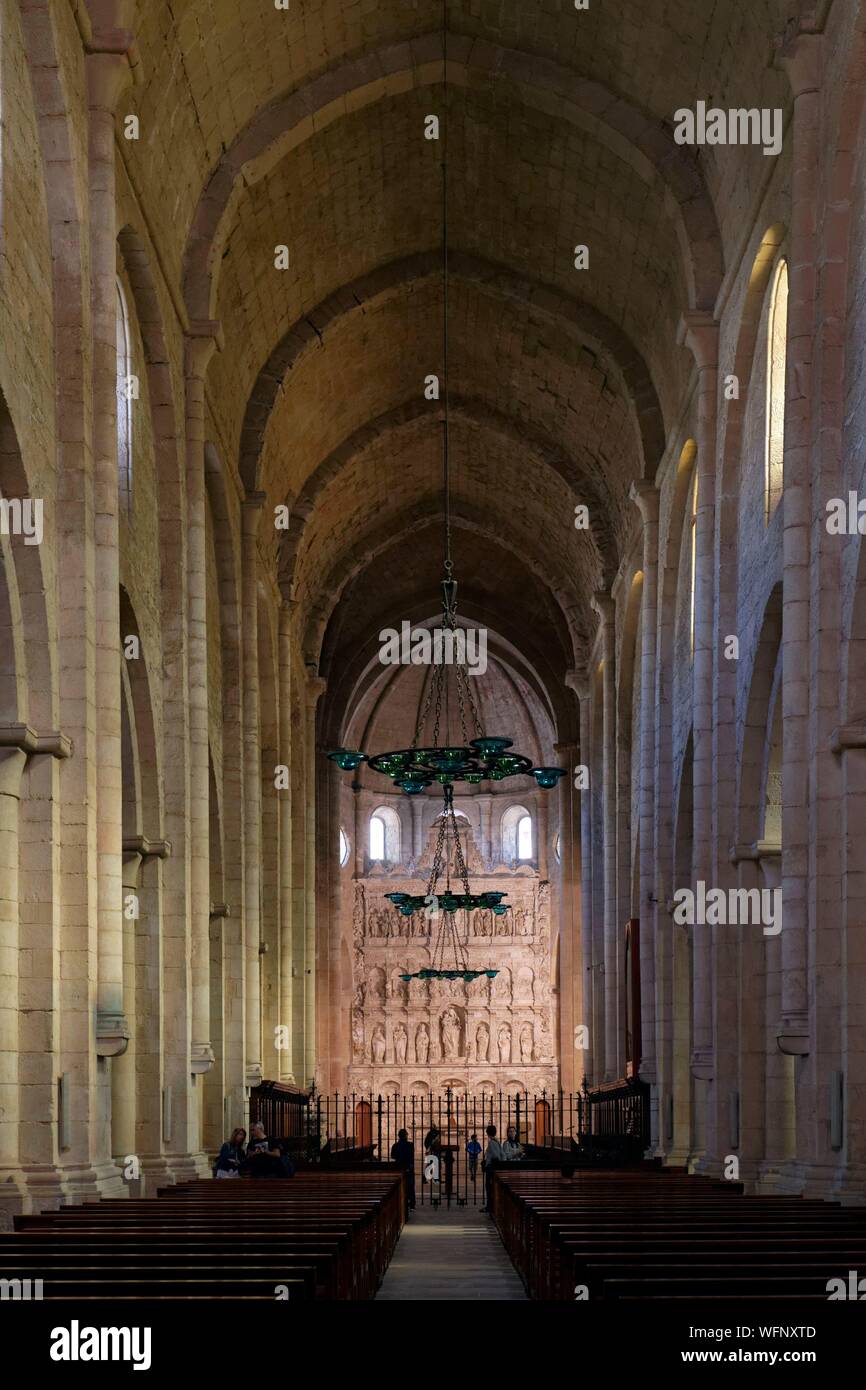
<point x="400" y="1041"/>
<point x="526" y="1043"/>
<point x="377" y="984"/>
<point x="357" y="1036"/>
<point x="502" y="985"/>
<point x="504" y="1041"/>
<point x="422" y="1045"/>
<point x="482" y="1043"/>
<point x="377" y="1046"/>
<point x="451" y="1034"/>
<point x="523" y="991"/>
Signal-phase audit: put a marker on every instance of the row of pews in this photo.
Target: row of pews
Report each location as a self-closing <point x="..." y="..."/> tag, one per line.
<point x="649" y="1233"/>
<point x="319" y="1235"/>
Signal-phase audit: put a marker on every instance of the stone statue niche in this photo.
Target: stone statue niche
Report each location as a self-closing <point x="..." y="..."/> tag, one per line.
<point x="452" y="1034"/>
<point x="422" y="1044"/>
<point x="401" y="1039"/>
<point x="378" y="1045"/>
<point x="376" y="991"/>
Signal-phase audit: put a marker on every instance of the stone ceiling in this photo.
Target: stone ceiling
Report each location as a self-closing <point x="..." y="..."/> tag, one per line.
<point x="262" y="127"/>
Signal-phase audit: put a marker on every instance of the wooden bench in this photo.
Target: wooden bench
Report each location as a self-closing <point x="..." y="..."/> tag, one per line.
<point x="319" y="1235"/>
<point x="648" y="1233"/>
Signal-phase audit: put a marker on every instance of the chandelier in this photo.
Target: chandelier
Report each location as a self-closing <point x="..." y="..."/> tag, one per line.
<point x="478" y="758"/>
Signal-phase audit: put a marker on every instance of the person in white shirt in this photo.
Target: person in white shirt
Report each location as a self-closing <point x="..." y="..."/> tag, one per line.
<point x="493" y="1154"/>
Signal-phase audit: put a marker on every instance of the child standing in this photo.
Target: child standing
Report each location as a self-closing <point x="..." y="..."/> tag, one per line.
<point x="473" y="1149"/>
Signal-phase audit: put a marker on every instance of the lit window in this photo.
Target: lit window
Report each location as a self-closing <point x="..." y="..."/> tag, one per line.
<point x="125" y="395"/>
<point x="557" y="849"/>
<point x="777" y="351"/>
<point x="344" y="849"/>
<point x="524" y="837"/>
<point x="384" y="836"/>
<point x="377" y="837"/>
<point x="693" y="523"/>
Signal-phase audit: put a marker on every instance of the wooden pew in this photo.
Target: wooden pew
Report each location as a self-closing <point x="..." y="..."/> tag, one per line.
<point x="647" y="1233"/>
<point x="318" y="1235"/>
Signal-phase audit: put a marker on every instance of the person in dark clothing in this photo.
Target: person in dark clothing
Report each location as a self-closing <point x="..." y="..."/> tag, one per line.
<point x="432" y="1149"/>
<point x="264" y="1158"/>
<point x="403" y="1154"/>
<point x="231" y="1156"/>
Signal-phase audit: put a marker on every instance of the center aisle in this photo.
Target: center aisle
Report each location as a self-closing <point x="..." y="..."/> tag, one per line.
<point x="451" y="1255"/>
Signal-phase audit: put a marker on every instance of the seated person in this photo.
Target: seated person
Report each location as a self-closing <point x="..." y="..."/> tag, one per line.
<point x="231" y="1156"/>
<point x="264" y="1157"/>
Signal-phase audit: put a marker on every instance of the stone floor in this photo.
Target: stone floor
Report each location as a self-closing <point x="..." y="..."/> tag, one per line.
<point x="452" y="1255"/>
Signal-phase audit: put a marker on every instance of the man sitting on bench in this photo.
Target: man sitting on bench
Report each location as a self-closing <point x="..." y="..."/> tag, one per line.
<point x="264" y="1157"/>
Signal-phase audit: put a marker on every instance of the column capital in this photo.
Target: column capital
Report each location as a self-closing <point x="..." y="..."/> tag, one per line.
<point x="202" y="338"/>
<point x="29" y="741"/>
<point x="603" y="603"/>
<point x="316" y="687"/>
<point x="201" y="1058"/>
<point x="108" y="70"/>
<point x="112" y="1034"/>
<point x="799" y="52"/>
<point x="699" y="332"/>
<point x="645" y="496"/>
<point x="579" y="681"/>
<point x="146" y="848"/>
<point x="251" y="514"/>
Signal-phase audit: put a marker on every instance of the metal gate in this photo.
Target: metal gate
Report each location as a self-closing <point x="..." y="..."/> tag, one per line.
<point x="444" y="1128"/>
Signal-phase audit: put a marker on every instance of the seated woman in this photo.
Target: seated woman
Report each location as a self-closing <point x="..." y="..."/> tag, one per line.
<point x="231" y="1156"/>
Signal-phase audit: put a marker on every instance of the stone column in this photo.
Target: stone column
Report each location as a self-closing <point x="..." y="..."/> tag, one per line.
<point x="286" y="755"/>
<point x="200" y="344"/>
<point x="417" y="812"/>
<point x="570" y="982"/>
<point x="606" y="609"/>
<point x="579" y="682"/>
<point x="12" y="762"/>
<point x="645" y="495"/>
<point x="801" y="59"/>
<point x="701" y="335"/>
<point x="314" y="689"/>
<point x="542" y="820"/>
<point x="108" y="74"/>
<point x="485" y="812"/>
<point x="123" y="1072"/>
<point x="360" y="846"/>
<point x="251" y="513"/>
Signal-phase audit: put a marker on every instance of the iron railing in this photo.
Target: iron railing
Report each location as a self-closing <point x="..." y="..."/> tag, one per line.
<point x="607" y="1124"/>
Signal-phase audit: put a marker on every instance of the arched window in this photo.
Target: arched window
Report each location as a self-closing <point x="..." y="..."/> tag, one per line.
<point x="517" y="835"/>
<point x="344" y="848"/>
<point x="125" y="388"/>
<point x="693" y="551"/>
<point x="524" y="837"/>
<point x="377" y="837"/>
<point x="557" y="849"/>
<point x="384" y="836"/>
<point x="777" y="352"/>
